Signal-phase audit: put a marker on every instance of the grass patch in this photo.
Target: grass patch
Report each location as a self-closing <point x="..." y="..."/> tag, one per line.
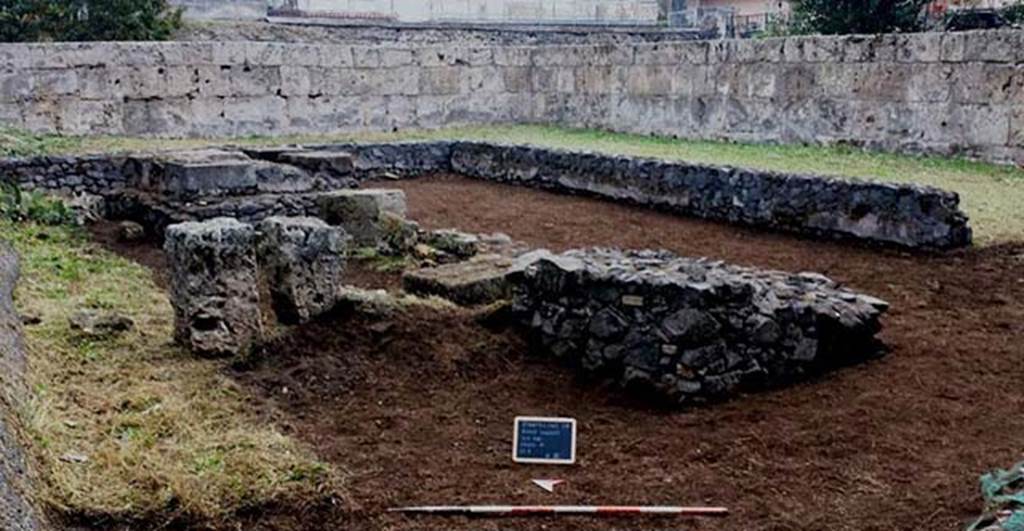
<point x="990" y="193"/>
<point x="133" y="427"/>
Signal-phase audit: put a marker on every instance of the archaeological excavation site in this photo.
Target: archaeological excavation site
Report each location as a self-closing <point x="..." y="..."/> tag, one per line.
<point x="295" y="277"/>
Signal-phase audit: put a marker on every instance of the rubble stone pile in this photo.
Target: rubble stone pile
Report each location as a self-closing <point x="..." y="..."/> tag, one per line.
<point x="690" y="330"/>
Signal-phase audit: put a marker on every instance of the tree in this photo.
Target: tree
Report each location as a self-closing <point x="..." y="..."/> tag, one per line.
<point x="87" y="20"/>
<point x="832" y="17"/>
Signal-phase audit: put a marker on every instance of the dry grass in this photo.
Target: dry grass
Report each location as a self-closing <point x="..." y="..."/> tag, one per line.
<point x="990" y="194"/>
<point x="133" y="427"/>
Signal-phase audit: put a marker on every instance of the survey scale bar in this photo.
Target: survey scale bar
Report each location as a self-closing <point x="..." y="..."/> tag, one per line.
<point x="563" y="509"/>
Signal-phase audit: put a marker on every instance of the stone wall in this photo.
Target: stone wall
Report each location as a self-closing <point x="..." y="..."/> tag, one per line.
<point x="944" y="93"/>
<point x="901" y="215"/>
<point x="690" y="330"/>
<point x="17" y="512"/>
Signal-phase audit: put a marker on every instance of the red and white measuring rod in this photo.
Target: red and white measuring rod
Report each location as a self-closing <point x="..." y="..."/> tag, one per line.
<point x="503" y="510"/>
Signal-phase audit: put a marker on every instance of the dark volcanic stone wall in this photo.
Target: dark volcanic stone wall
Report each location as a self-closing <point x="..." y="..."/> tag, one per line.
<point x="690" y="330"/>
<point x="902" y="215"/>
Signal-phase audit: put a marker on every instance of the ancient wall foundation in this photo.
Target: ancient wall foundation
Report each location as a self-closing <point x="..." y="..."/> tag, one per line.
<point x="291" y="181"/>
<point x="944" y="93"/>
<point x="904" y="215"/>
<point x="691" y="330"/>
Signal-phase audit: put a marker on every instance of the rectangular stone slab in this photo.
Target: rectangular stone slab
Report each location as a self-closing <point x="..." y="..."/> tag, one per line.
<point x="482" y="280"/>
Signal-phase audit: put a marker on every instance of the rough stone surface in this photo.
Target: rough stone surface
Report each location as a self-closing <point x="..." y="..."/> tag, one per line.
<point x="895" y="214"/>
<point x="921" y="93"/>
<point x="17" y="511"/>
<point x="690" y="330"/>
<point x="334" y="163"/>
<point x="130" y="231"/>
<point x="214" y="286"/>
<point x="207" y="173"/>
<point x="481" y="280"/>
<point x="456" y="243"/>
<point x="901" y="215"/>
<point x="382" y="32"/>
<point x="98" y="323"/>
<point x="303" y="259"/>
<point x="359" y="211"/>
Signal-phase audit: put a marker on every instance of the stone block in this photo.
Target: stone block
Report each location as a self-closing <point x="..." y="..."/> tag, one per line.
<point x="393" y="57"/>
<point x="513" y="56"/>
<point x="440" y="81"/>
<point x="214" y="286"/>
<point x="364" y="57"/>
<point x="204" y="173"/>
<point x="254" y="80"/>
<point x="303" y="259"/>
<point x="517" y="79"/>
<point x="919" y="48"/>
<point x="482" y="80"/>
<point x="295" y="81"/>
<point x="213" y="173"/>
<point x="359" y="211"/>
<point x="59" y="82"/>
<point x="16" y="86"/>
<point x="453" y="242"/>
<point x="336" y="56"/>
<point x="554" y="80"/>
<point x="649" y="80"/>
<point x="264" y="54"/>
<point x="482" y="280"/>
<point x="332" y="163"/>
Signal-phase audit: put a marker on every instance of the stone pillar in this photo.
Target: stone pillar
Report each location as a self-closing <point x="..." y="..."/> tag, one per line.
<point x="303" y="259"/>
<point x="214" y="286"/>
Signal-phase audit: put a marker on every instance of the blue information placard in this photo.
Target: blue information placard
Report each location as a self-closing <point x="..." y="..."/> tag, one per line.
<point x="544" y="440"/>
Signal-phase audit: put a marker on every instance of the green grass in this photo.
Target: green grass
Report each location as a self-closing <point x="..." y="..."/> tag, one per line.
<point x="990" y="193"/>
<point x="163" y="434"/>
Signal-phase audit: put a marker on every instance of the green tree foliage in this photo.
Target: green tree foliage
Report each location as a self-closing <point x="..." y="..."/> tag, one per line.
<point x="1014" y="12"/>
<point x="87" y="20"/>
<point x="834" y="17"/>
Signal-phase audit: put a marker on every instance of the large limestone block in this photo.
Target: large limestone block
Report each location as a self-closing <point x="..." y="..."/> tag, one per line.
<point x="360" y="212"/>
<point x="332" y="163"/>
<point x="213" y="173"/>
<point x="214" y="286"/>
<point x="304" y="260"/>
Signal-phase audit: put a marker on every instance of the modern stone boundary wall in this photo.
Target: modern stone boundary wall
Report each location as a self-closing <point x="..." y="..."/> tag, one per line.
<point x="326" y="31"/>
<point x="942" y="93"/>
<point x="17" y="512"/>
<point x="893" y="214"/>
<point x="690" y="330"/>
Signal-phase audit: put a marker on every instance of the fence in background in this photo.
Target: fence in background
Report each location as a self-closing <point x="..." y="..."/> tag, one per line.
<point x="608" y="12"/>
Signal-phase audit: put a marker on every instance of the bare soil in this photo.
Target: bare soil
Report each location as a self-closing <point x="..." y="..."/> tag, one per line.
<point x="418" y="407"/>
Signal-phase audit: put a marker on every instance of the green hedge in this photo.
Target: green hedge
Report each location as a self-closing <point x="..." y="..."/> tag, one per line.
<point x="87" y="20"/>
<point x="837" y="17"/>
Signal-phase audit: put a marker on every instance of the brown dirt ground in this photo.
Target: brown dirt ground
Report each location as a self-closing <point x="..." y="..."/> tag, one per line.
<point x="418" y="408"/>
